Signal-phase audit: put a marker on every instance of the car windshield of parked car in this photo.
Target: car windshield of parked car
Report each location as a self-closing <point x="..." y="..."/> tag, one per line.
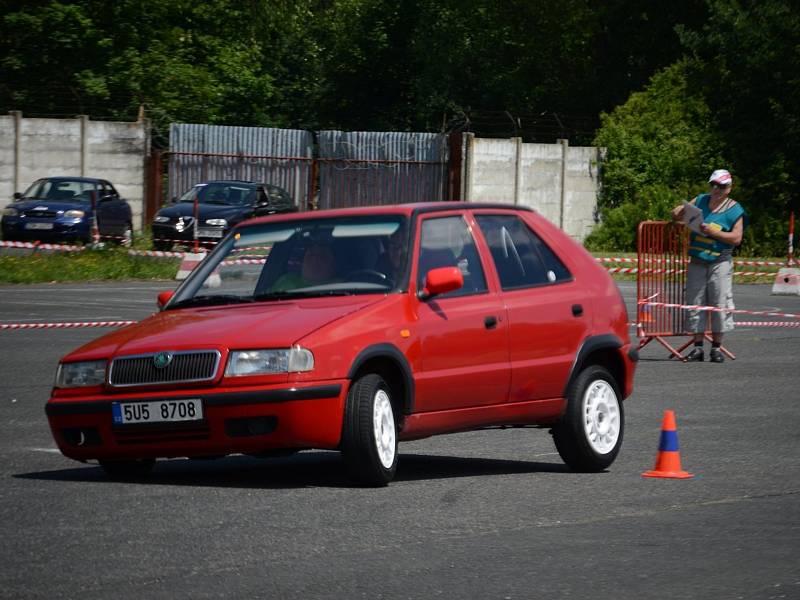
<point x="221" y="193"/>
<point x="338" y="256"/>
<point x="73" y="190"/>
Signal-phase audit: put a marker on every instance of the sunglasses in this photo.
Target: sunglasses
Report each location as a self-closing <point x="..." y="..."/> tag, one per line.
<point x="718" y="186"/>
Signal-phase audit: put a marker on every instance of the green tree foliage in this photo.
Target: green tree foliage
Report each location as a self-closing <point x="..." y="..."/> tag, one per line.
<point x="660" y="147"/>
<point x="734" y="104"/>
<point x="749" y="62"/>
<point x="356" y="64"/>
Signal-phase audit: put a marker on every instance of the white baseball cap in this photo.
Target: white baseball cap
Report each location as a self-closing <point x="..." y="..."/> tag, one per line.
<point x="721" y="176"/>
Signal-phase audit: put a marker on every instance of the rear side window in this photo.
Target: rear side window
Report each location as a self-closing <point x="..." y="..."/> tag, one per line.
<point x="522" y="259"/>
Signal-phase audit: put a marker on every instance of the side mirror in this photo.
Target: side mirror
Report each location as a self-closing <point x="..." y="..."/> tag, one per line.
<point x="163" y="298"/>
<point x="441" y="280"/>
<point x="17" y="195"/>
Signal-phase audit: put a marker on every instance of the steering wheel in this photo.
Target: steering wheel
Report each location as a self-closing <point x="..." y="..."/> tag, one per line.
<point x="369" y="276"/>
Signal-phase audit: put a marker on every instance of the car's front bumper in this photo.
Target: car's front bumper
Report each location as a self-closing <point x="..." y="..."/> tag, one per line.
<point x="249" y="421"/>
<point x="168" y="233"/>
<point x="17" y="229"/>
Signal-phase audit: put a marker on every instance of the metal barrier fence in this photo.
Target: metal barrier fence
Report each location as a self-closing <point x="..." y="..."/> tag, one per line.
<point x="661" y="276"/>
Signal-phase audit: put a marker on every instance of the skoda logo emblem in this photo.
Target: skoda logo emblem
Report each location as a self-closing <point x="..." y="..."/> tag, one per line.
<point x="162" y="360"/>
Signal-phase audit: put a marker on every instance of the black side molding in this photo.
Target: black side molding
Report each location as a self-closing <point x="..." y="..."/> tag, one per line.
<point x="228" y="399"/>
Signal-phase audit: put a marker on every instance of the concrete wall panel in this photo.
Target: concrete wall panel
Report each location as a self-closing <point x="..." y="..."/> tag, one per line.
<point x="558" y="181"/>
<point x="493" y="169"/>
<point x="115" y="151"/>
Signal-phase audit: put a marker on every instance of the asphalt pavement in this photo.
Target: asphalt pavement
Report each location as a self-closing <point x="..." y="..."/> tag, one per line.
<point x="489" y="514"/>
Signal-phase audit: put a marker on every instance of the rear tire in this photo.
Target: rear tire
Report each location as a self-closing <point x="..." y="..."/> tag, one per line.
<point x="369" y="432"/>
<point x="162" y="246"/>
<point x="589" y="435"/>
<point x="128" y="469"/>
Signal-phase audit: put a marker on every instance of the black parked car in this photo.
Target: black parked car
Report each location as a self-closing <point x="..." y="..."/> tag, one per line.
<point x="221" y="205"/>
<point x="59" y="209"/>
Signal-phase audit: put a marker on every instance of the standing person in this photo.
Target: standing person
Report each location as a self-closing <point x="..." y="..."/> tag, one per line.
<point x="709" y="278"/>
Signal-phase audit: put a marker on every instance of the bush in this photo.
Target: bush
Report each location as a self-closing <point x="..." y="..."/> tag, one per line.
<point x="661" y="145"/>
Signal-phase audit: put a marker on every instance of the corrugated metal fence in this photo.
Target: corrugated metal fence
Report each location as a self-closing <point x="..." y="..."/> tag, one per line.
<point x="348" y="168"/>
<point x="202" y="152"/>
<point x="369" y="168"/>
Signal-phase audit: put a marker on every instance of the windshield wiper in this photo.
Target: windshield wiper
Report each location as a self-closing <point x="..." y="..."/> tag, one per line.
<point x="300" y="294"/>
<point x="213" y="300"/>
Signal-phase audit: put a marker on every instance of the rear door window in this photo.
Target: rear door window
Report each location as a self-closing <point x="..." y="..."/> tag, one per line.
<point x="520" y="256"/>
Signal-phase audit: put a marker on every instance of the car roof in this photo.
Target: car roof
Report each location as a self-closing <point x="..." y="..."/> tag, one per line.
<point x="411" y="209"/>
<point x="71" y="178"/>
<point x="232" y="181"/>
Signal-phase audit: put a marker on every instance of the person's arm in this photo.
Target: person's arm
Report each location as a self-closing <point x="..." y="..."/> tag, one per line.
<point x="733" y="237"/>
<point x="677" y="212"/>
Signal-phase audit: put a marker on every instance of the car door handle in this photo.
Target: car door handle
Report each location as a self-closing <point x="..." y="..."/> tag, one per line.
<point x="490" y="322"/>
<point x="577" y="310"/>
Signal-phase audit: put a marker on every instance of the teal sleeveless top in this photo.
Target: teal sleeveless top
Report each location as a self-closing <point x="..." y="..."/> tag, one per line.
<point x="709" y="249"/>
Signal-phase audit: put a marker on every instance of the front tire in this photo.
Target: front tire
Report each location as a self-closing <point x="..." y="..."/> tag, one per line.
<point x="589" y="435"/>
<point x="369" y="432"/>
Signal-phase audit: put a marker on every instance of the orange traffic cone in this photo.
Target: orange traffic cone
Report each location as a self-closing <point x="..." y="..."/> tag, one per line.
<point x="668" y="459"/>
<point x="645" y="314"/>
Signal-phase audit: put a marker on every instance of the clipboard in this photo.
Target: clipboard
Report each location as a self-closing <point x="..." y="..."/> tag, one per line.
<point x="692" y="217"/>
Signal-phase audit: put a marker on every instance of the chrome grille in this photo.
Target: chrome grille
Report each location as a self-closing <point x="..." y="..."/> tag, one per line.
<point x="41" y="214"/>
<point x="184" y="367"/>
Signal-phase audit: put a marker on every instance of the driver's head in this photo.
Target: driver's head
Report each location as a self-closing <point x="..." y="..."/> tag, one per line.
<point x="318" y="263"/>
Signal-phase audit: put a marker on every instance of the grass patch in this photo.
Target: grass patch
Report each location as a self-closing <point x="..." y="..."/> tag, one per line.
<point x="110" y="263"/>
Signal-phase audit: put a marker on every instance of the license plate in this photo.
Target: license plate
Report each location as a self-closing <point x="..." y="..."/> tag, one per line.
<point x="209" y="232"/>
<point x="157" y="411"/>
<point x="38" y="225"/>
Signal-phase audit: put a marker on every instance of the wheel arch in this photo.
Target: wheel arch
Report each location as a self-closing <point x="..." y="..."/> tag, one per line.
<point x="391" y="364"/>
<point x="603" y="350"/>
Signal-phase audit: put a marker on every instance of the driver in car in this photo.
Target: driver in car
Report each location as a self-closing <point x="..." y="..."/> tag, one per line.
<point x="319" y="268"/>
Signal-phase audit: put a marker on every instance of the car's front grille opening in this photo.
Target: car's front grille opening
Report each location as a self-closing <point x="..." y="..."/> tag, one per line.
<point x="41" y="214"/>
<point x="81" y="436"/>
<point x="164" y="367"/>
<point x="250" y="426"/>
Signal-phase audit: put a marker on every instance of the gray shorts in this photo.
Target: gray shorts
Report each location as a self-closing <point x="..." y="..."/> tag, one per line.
<point x="709" y="284"/>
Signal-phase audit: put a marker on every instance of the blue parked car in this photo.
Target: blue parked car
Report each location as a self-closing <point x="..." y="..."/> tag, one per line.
<point x="59" y="209"/>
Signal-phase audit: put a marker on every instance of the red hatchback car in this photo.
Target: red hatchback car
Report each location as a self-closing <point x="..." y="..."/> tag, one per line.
<point x="352" y="330"/>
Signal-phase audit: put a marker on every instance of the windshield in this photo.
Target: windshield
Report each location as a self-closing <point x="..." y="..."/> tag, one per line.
<point x="72" y="190"/>
<point x="338" y="256"/>
<point x="232" y="194"/>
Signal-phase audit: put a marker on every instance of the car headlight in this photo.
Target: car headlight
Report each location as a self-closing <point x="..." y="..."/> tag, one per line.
<point x="74" y="214"/>
<point x="81" y="374"/>
<point x="161" y="219"/>
<point x="269" y="362"/>
<point x="10" y="212"/>
<point x="217" y="222"/>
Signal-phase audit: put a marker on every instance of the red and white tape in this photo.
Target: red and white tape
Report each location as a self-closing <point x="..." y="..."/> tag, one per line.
<point x="749" y="263"/>
<point x="66" y="325"/>
<point x="666" y="271"/>
<point x="156" y="253"/>
<point x="768" y="323"/>
<point x="736" y="311"/>
<point x="38" y="246"/>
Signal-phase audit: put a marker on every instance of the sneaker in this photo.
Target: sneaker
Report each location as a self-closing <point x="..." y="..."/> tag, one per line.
<point x="716" y="355"/>
<point x="695" y="355"/>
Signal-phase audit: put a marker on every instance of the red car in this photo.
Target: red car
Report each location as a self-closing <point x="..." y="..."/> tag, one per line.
<point x="352" y="330"/>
